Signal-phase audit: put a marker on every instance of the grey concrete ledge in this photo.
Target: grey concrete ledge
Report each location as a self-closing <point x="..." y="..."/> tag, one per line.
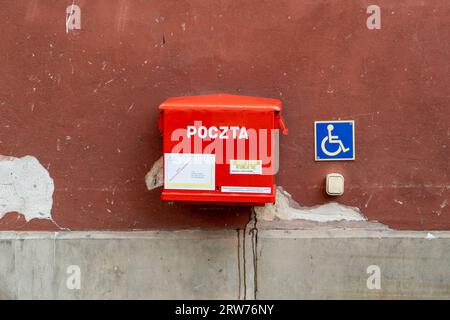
<point x="215" y="234"/>
<point x="116" y="235"/>
<point x="352" y="234"/>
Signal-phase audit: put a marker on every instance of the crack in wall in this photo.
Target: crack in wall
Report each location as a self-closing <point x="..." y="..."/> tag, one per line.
<point x="239" y="262"/>
<point x="254" y="235"/>
<point x="244" y="266"/>
<point x="250" y="259"/>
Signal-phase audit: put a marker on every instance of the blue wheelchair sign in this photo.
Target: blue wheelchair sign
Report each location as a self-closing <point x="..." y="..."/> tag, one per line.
<point x="334" y="140"/>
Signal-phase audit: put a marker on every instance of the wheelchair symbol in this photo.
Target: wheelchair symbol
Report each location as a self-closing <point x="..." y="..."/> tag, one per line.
<point x="333" y="139"/>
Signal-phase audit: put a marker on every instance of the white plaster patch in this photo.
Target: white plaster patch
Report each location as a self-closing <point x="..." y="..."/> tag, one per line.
<point x="25" y="187"/>
<point x="155" y="178"/>
<point x="287" y="208"/>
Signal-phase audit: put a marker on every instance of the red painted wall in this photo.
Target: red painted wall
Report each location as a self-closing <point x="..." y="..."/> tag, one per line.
<point x="85" y="102"/>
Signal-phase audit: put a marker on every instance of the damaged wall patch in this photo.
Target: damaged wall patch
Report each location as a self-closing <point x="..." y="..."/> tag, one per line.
<point x="154" y="178"/>
<point x="25" y="187"/>
<point x="288" y="209"/>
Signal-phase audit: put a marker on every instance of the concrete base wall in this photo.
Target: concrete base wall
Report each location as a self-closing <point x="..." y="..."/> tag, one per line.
<point x="335" y="265"/>
<point x="258" y="262"/>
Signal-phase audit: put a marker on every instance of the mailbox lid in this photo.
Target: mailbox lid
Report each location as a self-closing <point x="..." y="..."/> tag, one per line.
<point x="222" y="102"/>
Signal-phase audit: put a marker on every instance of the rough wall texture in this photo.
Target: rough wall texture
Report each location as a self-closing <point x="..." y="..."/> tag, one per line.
<point x="84" y="102"/>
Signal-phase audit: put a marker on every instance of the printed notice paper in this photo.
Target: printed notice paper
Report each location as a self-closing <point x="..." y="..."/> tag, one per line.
<point x="187" y="171"/>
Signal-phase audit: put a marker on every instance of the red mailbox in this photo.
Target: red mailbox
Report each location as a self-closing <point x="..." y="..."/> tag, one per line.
<point x="220" y="148"/>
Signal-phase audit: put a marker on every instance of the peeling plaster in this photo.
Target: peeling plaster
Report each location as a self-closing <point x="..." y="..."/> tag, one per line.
<point x="25" y="187"/>
<point x="154" y="178"/>
<point x="287" y="208"/>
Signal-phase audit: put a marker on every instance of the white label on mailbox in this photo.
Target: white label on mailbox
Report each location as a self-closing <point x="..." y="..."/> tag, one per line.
<point x="188" y="171"/>
<point x="247" y="189"/>
<point x="245" y="166"/>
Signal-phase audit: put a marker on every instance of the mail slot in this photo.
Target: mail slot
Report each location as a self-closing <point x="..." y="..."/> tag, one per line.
<point x="220" y="148"/>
